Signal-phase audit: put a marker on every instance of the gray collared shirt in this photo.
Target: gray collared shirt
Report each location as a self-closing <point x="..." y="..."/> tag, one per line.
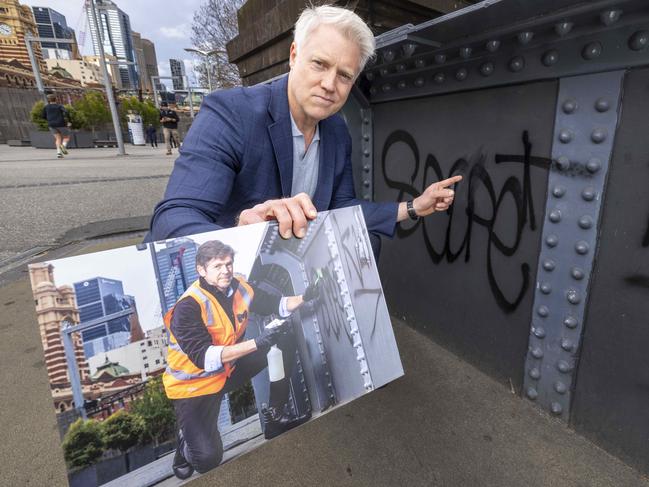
<point x="305" y="162"/>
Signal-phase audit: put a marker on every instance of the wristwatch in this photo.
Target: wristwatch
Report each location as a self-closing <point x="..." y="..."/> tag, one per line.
<point x="411" y="211"/>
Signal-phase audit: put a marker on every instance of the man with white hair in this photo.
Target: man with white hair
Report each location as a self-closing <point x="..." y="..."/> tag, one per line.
<point x="278" y="150"/>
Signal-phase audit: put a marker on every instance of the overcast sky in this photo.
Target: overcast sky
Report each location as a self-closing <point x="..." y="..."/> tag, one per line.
<point x="167" y="23"/>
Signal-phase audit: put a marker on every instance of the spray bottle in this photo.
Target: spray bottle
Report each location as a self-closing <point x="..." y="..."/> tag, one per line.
<point x="274" y="357"/>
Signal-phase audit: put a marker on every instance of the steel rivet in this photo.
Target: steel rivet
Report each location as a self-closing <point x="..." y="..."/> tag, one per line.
<point x="560" y="387"/>
<point x="610" y="16"/>
<point x="567" y="345"/>
<point x="582" y="247"/>
<point x="563" y="28"/>
<point x="569" y="106"/>
<point x="384" y="71"/>
<point x="400" y="68"/>
<point x="366" y="153"/>
<point x="439" y="78"/>
<point x="588" y="194"/>
<point x="565" y="136"/>
<point x="602" y="105"/>
<point x="598" y="135"/>
<point x="487" y="69"/>
<point x="563" y="366"/>
<point x="465" y="52"/>
<point x="552" y="240"/>
<point x="372" y="90"/>
<point x="556" y="408"/>
<point x="592" y="50"/>
<point x="550" y="57"/>
<point x="543" y="311"/>
<point x="369" y="76"/>
<point x="419" y="82"/>
<point x="585" y="222"/>
<point x="639" y="40"/>
<point x="531" y="393"/>
<point x="461" y="74"/>
<point x="386" y="87"/>
<point x="525" y="37"/>
<point x="408" y="49"/>
<point x="577" y="273"/>
<point x="555" y="216"/>
<point x="548" y="265"/>
<point x="440" y="58"/>
<point x="564" y="163"/>
<point x="517" y="64"/>
<point x="539" y="332"/>
<point x="388" y="56"/>
<point x="420" y="63"/>
<point x="545" y="288"/>
<point x="573" y="296"/>
<point x="535" y="373"/>
<point x="492" y="46"/>
<point x="558" y="191"/>
<point x="593" y="165"/>
<point x="570" y="322"/>
<point x="537" y="353"/>
<point x="366" y="137"/>
<point x="401" y="84"/>
<point x="366" y="184"/>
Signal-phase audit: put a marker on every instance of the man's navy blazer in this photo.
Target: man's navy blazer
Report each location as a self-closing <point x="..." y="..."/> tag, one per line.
<point x="239" y="153"/>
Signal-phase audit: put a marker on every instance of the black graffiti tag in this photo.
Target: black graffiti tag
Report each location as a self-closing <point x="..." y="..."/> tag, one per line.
<point x="478" y="179"/>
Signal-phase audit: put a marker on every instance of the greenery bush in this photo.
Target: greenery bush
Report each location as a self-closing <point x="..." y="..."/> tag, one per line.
<point x="146" y="109"/>
<point x="93" y="109"/>
<point x="83" y="444"/>
<point x="37" y="116"/>
<point x="157" y="411"/>
<point x="122" y="430"/>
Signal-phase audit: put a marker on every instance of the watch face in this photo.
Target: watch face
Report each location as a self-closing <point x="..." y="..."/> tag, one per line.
<point x="5" y="29"/>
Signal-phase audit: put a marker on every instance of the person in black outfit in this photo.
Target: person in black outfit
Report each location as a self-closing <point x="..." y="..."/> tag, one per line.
<point x="58" y="121"/>
<point x="169" y="120"/>
<point x="209" y="359"/>
<point x="152" y="135"/>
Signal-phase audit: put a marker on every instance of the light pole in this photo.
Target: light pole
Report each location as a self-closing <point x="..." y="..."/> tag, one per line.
<point x="206" y="55"/>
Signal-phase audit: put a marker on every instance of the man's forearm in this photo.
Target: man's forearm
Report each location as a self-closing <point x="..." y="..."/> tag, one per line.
<point x="233" y="352"/>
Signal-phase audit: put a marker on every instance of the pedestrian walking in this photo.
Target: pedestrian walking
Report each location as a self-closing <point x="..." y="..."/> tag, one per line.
<point x="58" y="121"/>
<point x="169" y="120"/>
<point x="152" y="135"/>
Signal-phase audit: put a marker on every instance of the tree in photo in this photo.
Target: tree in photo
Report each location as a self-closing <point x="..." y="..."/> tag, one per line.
<point x="122" y="430"/>
<point x="214" y="25"/>
<point x="157" y="412"/>
<point x="83" y="444"/>
<point x="93" y="108"/>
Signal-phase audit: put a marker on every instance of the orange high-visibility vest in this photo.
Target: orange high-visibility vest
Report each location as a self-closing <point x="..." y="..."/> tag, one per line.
<point x="182" y="378"/>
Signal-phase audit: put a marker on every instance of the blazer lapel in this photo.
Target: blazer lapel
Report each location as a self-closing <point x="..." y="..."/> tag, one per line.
<point x="326" y="167"/>
<point x="280" y="133"/>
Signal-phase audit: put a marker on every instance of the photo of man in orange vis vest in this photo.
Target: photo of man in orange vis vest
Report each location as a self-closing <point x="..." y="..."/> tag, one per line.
<point x="208" y="355"/>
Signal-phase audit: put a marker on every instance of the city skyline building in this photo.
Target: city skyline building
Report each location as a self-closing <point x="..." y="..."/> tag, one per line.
<point x="177" y="68"/>
<point x="116" y="39"/>
<point x="99" y="297"/>
<point x="17" y="22"/>
<point x="84" y="71"/>
<point x="176" y="269"/>
<point x="51" y="23"/>
<point x="151" y="65"/>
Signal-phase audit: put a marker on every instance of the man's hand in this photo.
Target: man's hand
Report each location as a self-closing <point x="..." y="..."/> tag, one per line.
<point x="292" y="214"/>
<point x="312" y="291"/>
<point x="270" y="336"/>
<point x="436" y="197"/>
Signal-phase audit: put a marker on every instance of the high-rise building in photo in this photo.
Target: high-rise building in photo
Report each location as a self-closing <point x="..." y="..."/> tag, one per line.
<point x="177" y="67"/>
<point x="17" y="22"/>
<point x="51" y="23"/>
<point x="116" y="39"/>
<point x="175" y="267"/>
<point x="97" y="298"/>
<point x="151" y="63"/>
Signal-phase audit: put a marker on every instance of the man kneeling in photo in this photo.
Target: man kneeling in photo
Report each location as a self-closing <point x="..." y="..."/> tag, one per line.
<point x="208" y="355"/>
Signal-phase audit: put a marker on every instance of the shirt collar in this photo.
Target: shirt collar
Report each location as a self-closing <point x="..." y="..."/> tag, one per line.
<point x="214" y="290"/>
<point x="296" y="131"/>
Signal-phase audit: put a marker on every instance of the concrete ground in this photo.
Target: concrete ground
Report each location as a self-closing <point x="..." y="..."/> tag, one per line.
<point x="443" y="424"/>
